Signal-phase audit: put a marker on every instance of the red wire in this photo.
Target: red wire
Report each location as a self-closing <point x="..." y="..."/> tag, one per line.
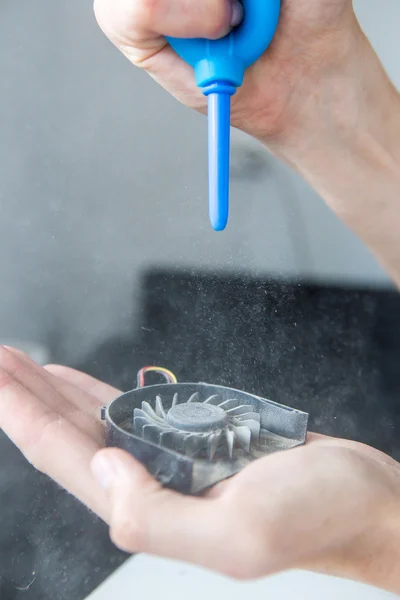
<point x="170" y="377"/>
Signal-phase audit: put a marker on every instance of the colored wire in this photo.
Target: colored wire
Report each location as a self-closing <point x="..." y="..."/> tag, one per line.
<point x="166" y="373"/>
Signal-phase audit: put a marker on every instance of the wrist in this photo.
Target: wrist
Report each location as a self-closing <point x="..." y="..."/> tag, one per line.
<point x="376" y="555"/>
<point x="386" y="573"/>
<point x="372" y="555"/>
<point x="348" y="148"/>
<point x="354" y="135"/>
<point x="346" y="105"/>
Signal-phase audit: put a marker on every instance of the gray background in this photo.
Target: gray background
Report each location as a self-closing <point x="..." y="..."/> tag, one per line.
<point x="103" y="174"/>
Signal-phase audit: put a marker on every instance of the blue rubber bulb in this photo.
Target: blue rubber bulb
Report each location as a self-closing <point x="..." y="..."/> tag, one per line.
<point x="219" y="67"/>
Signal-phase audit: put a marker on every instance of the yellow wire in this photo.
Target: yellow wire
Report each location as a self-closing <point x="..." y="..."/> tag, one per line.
<point x="163" y="370"/>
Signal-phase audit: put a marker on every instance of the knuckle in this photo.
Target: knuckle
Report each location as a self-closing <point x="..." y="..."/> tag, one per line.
<point x="5" y="380"/>
<point x="126" y="21"/>
<point x="218" y="22"/>
<point x="36" y="440"/>
<point x="127" y="534"/>
<point x="9" y="365"/>
<point x="151" y="6"/>
<point x="216" y="29"/>
<point x="210" y="19"/>
<point x="145" y="14"/>
<point x="118" y="20"/>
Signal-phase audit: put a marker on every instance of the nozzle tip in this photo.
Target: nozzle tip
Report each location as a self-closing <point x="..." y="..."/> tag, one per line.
<point x="219" y="222"/>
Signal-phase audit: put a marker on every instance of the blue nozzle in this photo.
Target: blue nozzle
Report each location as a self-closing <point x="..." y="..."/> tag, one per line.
<point x="219" y="67"/>
<point x="219" y="117"/>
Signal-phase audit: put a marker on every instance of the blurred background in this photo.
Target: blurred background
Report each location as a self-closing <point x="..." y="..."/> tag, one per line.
<point x="108" y="262"/>
<point x="102" y="175"/>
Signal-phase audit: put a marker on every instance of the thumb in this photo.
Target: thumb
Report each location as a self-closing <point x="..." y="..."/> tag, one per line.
<point x="145" y="517"/>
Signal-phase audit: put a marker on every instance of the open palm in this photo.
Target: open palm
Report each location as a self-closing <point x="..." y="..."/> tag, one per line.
<point x="286" y="510"/>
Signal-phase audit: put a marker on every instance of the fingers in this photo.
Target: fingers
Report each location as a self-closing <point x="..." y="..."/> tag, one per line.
<point x="137" y="28"/>
<point x="35" y="374"/>
<point x="144" y="517"/>
<point x="79" y="408"/>
<point x="85" y="392"/>
<point x="102" y="392"/>
<point x="51" y="443"/>
<point x="138" y="21"/>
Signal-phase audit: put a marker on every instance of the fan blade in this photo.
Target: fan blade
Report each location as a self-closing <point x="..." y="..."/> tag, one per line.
<point x="138" y="413"/>
<point x="160" y="408"/>
<point x="194" y="443"/>
<point x="212" y="400"/>
<point x="230" y="440"/>
<point x="139" y="422"/>
<point x="150" y="412"/>
<point x="194" y="397"/>
<point x="151" y="433"/>
<point x="242" y="409"/>
<point x="229" y="404"/>
<point x="249" y="416"/>
<point x="243" y="436"/>
<point x="213" y="443"/>
<point x="252" y="424"/>
<point x="172" y="440"/>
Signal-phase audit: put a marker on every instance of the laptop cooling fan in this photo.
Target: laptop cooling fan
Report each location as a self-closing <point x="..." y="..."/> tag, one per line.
<point x="192" y="435"/>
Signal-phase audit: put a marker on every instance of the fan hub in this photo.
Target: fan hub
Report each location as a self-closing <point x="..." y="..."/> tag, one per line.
<point x="197" y="417"/>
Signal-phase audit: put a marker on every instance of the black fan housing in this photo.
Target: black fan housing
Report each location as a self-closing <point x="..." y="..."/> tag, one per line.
<point x="192" y="435"/>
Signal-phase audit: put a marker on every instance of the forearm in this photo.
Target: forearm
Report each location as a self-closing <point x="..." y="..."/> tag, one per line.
<point x="348" y="149"/>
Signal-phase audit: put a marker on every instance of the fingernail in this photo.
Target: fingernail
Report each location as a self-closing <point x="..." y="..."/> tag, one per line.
<point x="237" y="13"/>
<point x="103" y="470"/>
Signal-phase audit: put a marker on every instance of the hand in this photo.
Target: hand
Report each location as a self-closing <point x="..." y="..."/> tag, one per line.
<point x="318" y="98"/>
<point x="314" y="41"/>
<point x="53" y="416"/>
<point x="330" y="506"/>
